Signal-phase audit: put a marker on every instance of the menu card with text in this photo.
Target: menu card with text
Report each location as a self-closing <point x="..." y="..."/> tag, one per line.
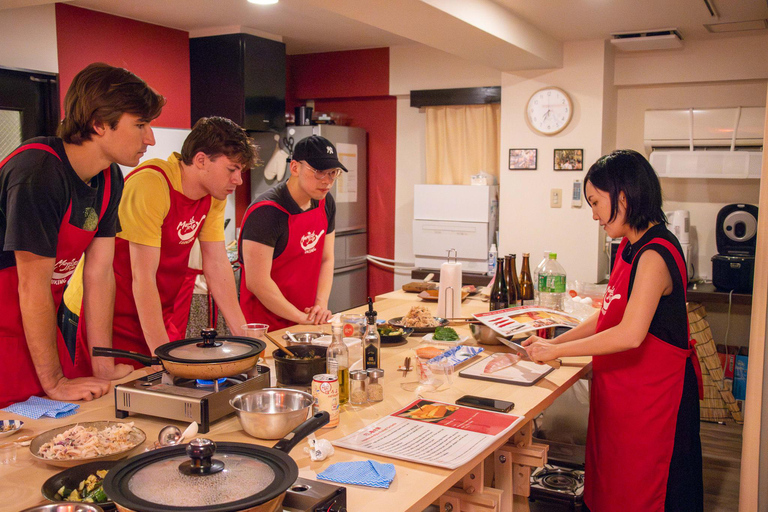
<point x="433" y="433"/>
<point x="520" y="319"/>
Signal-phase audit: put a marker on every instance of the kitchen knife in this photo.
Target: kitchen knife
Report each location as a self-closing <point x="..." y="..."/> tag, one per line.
<point x="520" y="350"/>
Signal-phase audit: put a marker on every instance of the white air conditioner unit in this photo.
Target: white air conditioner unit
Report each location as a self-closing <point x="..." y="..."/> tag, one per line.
<point x="706" y="143"/>
<point x="661" y="39"/>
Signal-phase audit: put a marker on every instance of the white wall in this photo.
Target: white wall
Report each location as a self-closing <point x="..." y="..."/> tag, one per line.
<point x="28" y="38"/>
<point x="416" y="67"/>
<point x="527" y="223"/>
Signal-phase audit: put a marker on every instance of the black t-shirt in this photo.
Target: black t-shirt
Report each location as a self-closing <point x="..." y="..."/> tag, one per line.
<point x="35" y="192"/>
<point x="269" y="226"/>
<point x="670" y="320"/>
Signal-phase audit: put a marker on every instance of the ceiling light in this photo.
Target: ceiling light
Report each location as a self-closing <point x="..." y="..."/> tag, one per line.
<point x="736" y="26"/>
<point x="263" y="2"/>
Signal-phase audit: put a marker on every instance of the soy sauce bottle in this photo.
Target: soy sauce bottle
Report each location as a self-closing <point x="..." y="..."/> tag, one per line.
<point x="371" y="339"/>
<point x="499" y="292"/>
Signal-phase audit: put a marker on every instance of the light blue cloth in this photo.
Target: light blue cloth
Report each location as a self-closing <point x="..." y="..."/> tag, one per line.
<point x="364" y="472"/>
<point x="37" y="407"/>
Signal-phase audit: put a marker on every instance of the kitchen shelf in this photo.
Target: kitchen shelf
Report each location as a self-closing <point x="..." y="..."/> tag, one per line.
<point x="474" y="278"/>
<point x="706" y="292"/>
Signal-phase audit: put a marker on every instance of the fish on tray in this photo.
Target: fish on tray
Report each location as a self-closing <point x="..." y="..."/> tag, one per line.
<point x="500" y="361"/>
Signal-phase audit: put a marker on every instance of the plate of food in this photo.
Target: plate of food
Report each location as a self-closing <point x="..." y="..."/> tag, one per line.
<point x="393" y="334"/>
<point x="8" y="427"/>
<point x="420" y="319"/>
<point x="433" y="295"/>
<point x="446" y="335"/>
<point x="81" y="483"/>
<point x="88" y="441"/>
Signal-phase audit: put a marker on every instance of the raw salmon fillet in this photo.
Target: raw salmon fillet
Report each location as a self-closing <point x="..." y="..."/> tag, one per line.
<point x="500" y="361"/>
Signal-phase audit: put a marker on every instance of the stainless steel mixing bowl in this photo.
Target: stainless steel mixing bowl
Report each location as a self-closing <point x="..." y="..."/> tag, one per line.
<point x="272" y="412"/>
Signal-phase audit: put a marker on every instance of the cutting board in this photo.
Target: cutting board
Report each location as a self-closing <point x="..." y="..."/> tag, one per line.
<point x="524" y="373"/>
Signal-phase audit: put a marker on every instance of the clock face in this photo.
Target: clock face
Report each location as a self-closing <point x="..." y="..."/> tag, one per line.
<point x="549" y="110"/>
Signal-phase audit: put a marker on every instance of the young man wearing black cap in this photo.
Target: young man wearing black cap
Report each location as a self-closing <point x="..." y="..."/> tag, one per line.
<point x="286" y="242"/>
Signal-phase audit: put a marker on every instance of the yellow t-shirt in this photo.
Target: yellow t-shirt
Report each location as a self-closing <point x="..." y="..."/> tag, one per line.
<point x="145" y="203"/>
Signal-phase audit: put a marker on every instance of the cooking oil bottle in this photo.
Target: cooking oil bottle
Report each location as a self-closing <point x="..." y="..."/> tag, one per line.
<point x="337" y="361"/>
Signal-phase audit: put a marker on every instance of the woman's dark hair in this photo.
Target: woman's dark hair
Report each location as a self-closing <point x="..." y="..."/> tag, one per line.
<point x="628" y="171"/>
<point x="216" y="136"/>
<point x="101" y="93"/>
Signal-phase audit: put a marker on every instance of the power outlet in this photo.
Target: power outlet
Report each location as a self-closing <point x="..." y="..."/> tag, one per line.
<point x="556" y="198"/>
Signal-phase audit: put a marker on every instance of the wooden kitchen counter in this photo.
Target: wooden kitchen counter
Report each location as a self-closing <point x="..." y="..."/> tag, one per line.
<point x="415" y="485"/>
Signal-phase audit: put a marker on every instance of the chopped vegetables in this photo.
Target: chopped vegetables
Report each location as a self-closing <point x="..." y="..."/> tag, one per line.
<point x="88" y="491"/>
<point x="445" y="334"/>
<point x="388" y="330"/>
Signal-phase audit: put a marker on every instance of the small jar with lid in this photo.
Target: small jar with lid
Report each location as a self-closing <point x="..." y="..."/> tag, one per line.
<point x="374" y="388"/>
<point x="357" y="388"/>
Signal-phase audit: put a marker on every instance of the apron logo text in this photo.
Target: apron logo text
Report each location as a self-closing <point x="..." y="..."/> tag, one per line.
<point x="309" y="241"/>
<point x="188" y="229"/>
<point x="609" y="296"/>
<point x="62" y="270"/>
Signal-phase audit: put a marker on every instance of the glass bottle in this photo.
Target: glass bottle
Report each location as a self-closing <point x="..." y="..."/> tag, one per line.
<point x="357" y="392"/>
<point x="337" y="361"/>
<point x="513" y="285"/>
<point x="526" y="283"/>
<point x="371" y="339"/>
<point x="375" y="389"/>
<point x="499" y="292"/>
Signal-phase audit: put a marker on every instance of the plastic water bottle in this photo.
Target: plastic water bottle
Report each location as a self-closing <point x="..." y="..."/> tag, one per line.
<point x="537" y="271"/>
<point x="492" y="255"/>
<point x="552" y="284"/>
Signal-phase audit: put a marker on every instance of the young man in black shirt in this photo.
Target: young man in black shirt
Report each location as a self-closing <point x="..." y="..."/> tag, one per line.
<point x="58" y="201"/>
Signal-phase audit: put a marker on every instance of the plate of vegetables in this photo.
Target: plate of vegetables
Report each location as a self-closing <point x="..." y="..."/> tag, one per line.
<point x="81" y="483"/>
<point x="446" y="334"/>
<point x="393" y="334"/>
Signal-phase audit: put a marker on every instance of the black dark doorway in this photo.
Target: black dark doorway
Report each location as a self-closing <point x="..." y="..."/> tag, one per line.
<point x="29" y="106"/>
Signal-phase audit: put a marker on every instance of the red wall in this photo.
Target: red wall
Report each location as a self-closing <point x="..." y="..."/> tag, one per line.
<point x="157" y="54"/>
<point x="356" y="83"/>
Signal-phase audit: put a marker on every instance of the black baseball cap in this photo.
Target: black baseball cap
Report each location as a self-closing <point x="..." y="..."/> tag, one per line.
<point x="318" y="152"/>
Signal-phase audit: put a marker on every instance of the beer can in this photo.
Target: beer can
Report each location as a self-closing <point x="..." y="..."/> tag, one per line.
<point x="325" y="391"/>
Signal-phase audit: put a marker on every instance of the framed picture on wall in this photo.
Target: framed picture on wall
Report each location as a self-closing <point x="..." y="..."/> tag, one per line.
<point x="569" y="160"/>
<point x="522" y="159"/>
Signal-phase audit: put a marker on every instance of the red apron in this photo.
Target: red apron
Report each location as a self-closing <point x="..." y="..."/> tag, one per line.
<point x="296" y="271"/>
<point x="633" y="408"/>
<point x="16" y="365"/>
<point x="179" y="232"/>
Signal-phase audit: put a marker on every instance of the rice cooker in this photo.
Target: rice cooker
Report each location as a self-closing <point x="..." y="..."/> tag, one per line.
<point x="736" y="237"/>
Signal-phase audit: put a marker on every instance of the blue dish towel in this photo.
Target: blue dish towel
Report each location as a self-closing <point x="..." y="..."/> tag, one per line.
<point x="364" y="472"/>
<point x="37" y="407"/>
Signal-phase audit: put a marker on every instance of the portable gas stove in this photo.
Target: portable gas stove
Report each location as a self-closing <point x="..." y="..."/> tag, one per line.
<point x="558" y="483"/>
<point x="159" y="394"/>
<point x="312" y="496"/>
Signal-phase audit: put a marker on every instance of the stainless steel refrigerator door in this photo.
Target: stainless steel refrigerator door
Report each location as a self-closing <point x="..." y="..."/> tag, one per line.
<point x="350" y="285"/>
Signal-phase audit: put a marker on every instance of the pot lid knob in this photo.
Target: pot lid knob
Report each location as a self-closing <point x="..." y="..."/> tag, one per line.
<point x="209" y="338"/>
<point x="200" y="452"/>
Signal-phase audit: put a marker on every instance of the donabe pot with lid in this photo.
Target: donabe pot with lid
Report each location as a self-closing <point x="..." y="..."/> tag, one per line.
<point x="210" y="477"/>
<point x="199" y="358"/>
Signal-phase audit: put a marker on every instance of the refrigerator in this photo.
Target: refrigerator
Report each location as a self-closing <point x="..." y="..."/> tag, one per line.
<point x="350" y="192"/>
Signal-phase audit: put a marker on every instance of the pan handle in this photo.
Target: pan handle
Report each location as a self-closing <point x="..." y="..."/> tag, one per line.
<point x="293" y="437"/>
<point x="116" y="352"/>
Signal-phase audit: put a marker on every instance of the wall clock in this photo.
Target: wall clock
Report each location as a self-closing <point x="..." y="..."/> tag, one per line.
<point x="549" y="111"/>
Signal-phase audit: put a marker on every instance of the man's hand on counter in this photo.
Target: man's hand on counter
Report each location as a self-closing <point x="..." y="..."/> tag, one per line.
<point x="317" y="315"/>
<point x="105" y="368"/>
<point x="83" y="388"/>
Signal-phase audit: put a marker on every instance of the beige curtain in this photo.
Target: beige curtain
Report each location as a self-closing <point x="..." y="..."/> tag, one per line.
<point x="462" y="140"/>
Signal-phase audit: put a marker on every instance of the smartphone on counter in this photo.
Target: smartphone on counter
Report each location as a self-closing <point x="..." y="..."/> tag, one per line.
<point x="481" y="402"/>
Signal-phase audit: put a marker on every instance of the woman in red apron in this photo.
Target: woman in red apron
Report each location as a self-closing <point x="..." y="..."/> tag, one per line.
<point x="17" y="368"/>
<point x="643" y="446"/>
